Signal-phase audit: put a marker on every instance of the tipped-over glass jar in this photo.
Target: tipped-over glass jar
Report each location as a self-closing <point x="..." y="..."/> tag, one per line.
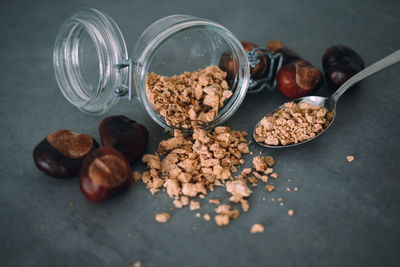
<point x="94" y="71"/>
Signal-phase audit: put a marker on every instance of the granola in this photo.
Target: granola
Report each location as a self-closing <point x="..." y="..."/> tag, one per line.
<point x="190" y="166"/>
<point x="257" y="228"/>
<point x="190" y="99"/>
<point x="162" y="217"/>
<point x="293" y="124"/>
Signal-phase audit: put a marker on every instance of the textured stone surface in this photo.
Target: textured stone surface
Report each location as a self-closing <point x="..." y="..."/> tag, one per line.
<point x="346" y="214"/>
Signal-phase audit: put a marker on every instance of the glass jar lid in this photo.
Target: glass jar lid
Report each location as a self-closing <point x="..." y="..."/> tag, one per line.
<point x="88" y="52"/>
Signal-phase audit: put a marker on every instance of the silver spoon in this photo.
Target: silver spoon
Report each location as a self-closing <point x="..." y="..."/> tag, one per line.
<point x="330" y="102"/>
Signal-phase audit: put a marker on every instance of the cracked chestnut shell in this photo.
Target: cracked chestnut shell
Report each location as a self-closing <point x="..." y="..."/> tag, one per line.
<point x="105" y="173"/>
<point x="125" y="135"/>
<point x="298" y="78"/>
<point x="340" y="63"/>
<point x="288" y="55"/>
<point x="61" y="153"/>
<point x="226" y="63"/>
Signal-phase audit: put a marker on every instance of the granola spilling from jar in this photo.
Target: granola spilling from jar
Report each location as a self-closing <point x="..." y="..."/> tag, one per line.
<point x="293" y="124"/>
<point x="190" y="99"/>
<point x="190" y="166"/>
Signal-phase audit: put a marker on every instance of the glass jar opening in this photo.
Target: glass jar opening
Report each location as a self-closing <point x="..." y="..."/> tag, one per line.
<point x="187" y="44"/>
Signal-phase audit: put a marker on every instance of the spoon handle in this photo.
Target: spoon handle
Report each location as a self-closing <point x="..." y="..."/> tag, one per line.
<point x="382" y="64"/>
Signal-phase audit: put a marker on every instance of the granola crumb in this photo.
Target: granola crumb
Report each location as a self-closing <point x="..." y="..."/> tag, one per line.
<point x="137" y="264"/>
<point x="222" y="220"/>
<point x="257" y="228"/>
<point x="225" y="214"/>
<point x="280" y="203"/>
<point x="350" y="158"/>
<point x="178" y="204"/>
<point x="198" y="215"/>
<point x="162" y="217"/>
<point x="214" y="201"/>
<point x="290" y="212"/>
<point x="296" y="188"/>
<point x="207" y="217"/>
<point x="194" y="205"/>
<point x="288" y="189"/>
<point x="270" y="188"/>
<point x="274" y="175"/>
<point x="136" y="176"/>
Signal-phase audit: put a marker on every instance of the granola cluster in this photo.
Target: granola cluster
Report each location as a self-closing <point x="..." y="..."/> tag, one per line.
<point x="191" y="166"/>
<point x="190" y="99"/>
<point x="293" y="124"/>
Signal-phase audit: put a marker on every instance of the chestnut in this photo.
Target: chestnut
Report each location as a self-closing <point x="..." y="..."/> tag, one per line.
<point x="298" y="78"/>
<point x="61" y="153"/>
<point x="125" y="135"/>
<point x="340" y="63"/>
<point x="288" y="55"/>
<point x="226" y="63"/>
<point x="105" y="172"/>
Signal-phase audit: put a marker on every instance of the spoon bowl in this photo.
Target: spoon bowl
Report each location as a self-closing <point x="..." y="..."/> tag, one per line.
<point x="330" y="102"/>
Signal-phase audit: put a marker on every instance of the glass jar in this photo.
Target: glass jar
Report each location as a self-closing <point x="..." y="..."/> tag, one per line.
<point x="94" y="71"/>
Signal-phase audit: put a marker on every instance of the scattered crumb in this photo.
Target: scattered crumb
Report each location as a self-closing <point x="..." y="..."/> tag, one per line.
<point x="215" y="201"/>
<point x="202" y="196"/>
<point x="350" y="158"/>
<point x="162" y="217"/>
<point x="280" y="199"/>
<point x="207" y="217"/>
<point x="274" y="175"/>
<point x="225" y="214"/>
<point x="245" y="205"/>
<point x="257" y="228"/>
<point x="296" y="188"/>
<point x="137" y="264"/>
<point x="273" y="199"/>
<point x="264" y="198"/>
<point x="178" y="204"/>
<point x="198" y="215"/>
<point x="280" y="203"/>
<point x="194" y="205"/>
<point x="290" y="212"/>
<point x="222" y="220"/>
<point x="288" y="189"/>
<point x="136" y="176"/>
<point x="71" y="204"/>
<point x="270" y="188"/>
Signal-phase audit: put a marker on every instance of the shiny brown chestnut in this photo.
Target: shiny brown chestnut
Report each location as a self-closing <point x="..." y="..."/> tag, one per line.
<point x="340" y="63"/>
<point x="105" y="172"/>
<point x="298" y="78"/>
<point x="226" y="63"/>
<point x="125" y="135"/>
<point x="61" y="153"/>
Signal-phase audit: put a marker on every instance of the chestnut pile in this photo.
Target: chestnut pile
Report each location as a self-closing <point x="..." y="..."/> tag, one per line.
<point x="297" y="77"/>
<point x="103" y="172"/>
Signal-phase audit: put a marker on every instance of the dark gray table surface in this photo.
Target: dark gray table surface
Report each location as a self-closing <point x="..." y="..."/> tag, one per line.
<point x="346" y="214"/>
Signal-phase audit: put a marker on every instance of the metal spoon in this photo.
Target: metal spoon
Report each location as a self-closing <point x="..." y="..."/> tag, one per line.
<point x="330" y="102"/>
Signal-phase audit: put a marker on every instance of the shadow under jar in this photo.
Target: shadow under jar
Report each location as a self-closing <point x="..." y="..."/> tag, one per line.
<point x="94" y="71"/>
